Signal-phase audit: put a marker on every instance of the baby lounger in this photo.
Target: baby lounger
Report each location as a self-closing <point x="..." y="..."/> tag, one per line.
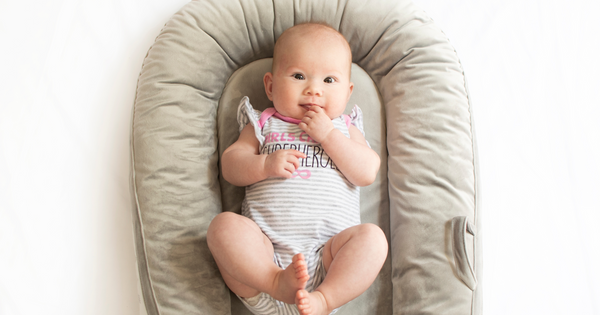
<point x="417" y="116"/>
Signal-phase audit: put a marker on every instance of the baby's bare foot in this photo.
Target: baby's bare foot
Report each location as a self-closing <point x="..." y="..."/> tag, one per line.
<point x="289" y="281"/>
<point x="313" y="303"/>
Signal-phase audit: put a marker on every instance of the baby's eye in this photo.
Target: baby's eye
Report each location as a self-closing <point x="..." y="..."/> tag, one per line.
<point x="298" y="76"/>
<point x="329" y="80"/>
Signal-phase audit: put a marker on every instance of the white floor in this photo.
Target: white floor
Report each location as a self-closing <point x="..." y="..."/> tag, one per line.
<point x="68" y="76"/>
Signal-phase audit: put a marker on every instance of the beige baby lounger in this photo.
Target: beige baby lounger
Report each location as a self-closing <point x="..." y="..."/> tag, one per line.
<point x="411" y="88"/>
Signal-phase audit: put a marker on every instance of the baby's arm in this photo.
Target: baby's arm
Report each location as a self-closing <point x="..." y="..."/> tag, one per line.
<point x="243" y="165"/>
<point x="352" y="156"/>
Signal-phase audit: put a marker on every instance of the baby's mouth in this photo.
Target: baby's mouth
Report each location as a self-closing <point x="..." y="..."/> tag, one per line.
<point x="308" y="106"/>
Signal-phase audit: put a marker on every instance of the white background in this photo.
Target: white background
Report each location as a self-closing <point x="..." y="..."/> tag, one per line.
<point x="68" y="72"/>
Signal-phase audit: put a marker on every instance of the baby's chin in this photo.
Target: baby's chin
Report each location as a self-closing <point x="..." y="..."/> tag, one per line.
<point x="296" y="114"/>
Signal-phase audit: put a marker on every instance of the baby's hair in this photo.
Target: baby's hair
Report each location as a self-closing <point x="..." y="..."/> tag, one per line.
<point x="285" y="33"/>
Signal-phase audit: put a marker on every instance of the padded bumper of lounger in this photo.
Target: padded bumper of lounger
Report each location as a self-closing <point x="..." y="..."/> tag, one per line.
<point x="418" y="119"/>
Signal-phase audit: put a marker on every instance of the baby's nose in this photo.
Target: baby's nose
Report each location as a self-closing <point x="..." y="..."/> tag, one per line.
<point x="313" y="89"/>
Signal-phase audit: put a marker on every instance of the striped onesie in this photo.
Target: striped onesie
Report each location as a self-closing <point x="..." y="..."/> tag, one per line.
<point x="300" y="214"/>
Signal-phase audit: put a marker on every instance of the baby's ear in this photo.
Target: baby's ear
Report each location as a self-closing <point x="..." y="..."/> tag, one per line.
<point x="268" y="81"/>
<point x="351" y="88"/>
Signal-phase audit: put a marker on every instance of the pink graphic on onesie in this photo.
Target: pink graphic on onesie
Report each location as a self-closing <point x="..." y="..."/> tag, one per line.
<point x="304" y="174"/>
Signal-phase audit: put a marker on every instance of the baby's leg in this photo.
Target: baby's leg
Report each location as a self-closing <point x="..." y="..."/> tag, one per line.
<point x="352" y="259"/>
<point x="244" y="256"/>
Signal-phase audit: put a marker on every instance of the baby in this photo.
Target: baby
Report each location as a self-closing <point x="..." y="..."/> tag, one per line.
<point x="299" y="239"/>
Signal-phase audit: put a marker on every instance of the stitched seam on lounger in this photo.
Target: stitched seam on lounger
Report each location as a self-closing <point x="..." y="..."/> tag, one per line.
<point x="475" y="183"/>
<point x="247" y="31"/>
<point x="137" y="206"/>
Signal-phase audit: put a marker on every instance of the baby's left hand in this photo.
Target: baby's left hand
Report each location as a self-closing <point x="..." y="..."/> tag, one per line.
<point x="316" y="124"/>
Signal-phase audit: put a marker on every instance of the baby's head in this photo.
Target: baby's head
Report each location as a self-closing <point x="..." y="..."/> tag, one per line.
<point x="311" y="66"/>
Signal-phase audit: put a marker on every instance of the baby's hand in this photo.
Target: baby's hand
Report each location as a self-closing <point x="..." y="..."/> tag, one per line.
<point x="316" y="124"/>
<point x="283" y="163"/>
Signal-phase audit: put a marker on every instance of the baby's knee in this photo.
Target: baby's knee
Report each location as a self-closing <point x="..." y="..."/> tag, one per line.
<point x="371" y="230"/>
<point x="375" y="236"/>
<point x="221" y="225"/>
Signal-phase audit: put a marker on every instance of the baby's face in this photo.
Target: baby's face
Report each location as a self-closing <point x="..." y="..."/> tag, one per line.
<point x="310" y="74"/>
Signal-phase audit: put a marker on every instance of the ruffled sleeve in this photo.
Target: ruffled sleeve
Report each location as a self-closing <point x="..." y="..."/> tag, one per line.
<point x="247" y="114"/>
<point x="356" y="119"/>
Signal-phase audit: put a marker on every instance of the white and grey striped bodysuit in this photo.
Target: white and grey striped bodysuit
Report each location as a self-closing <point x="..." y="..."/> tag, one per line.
<point x="300" y="214"/>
